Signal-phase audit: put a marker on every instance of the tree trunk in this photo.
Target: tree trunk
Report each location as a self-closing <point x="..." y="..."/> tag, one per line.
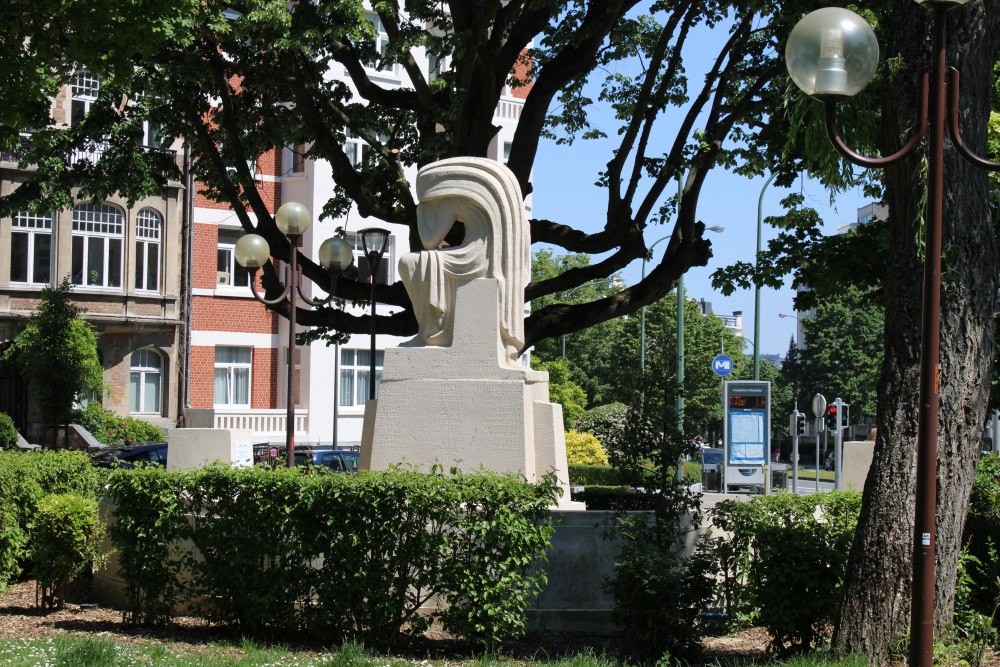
<point x="876" y="601"/>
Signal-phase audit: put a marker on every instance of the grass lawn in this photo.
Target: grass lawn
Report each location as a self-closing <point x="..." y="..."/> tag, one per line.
<point x="77" y="650"/>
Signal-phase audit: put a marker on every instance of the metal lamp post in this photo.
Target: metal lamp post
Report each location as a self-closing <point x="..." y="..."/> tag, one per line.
<point x="373" y="241"/>
<point x="756" y="289"/>
<point x="831" y="55"/>
<point x="252" y="252"/>
<point x="718" y="229"/>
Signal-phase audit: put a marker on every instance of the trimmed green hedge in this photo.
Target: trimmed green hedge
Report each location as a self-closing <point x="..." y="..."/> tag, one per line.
<point x="337" y="556"/>
<point x="586" y="475"/>
<point x="25" y="478"/>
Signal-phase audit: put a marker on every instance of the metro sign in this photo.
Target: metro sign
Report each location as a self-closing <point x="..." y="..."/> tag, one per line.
<point x="722" y="365"/>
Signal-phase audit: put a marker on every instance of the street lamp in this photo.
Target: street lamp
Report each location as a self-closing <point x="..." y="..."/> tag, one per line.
<point x="718" y="229"/>
<point x="756" y="289"/>
<point x="831" y="55"/>
<point x="373" y="241"/>
<point x="252" y="252"/>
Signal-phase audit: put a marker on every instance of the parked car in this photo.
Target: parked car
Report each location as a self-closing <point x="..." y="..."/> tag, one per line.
<point x="146" y="453"/>
<point x="337" y="459"/>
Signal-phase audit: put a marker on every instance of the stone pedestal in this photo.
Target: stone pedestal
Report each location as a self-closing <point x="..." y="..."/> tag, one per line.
<point x="465" y="406"/>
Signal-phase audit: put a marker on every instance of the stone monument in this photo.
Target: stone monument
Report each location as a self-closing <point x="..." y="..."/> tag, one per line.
<point x="456" y="395"/>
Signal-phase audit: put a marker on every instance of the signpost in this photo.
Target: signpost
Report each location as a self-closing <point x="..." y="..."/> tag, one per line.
<point x="819" y="409"/>
<point x="722" y="365"/>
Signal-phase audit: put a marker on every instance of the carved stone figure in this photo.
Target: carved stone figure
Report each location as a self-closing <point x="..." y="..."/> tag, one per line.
<point x="483" y="197"/>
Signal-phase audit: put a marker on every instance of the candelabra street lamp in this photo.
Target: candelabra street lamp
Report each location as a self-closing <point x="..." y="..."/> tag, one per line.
<point x="831" y="55"/>
<point x="252" y="252"/>
<point x="373" y="242"/>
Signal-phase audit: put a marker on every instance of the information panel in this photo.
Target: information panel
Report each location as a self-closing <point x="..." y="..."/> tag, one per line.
<point x="747" y="422"/>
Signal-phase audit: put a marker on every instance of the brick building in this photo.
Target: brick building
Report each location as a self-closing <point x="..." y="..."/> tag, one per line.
<point x="124" y="262"/>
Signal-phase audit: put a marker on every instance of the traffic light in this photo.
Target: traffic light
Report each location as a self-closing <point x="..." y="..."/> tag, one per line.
<point x="800" y="423"/>
<point x="831" y="416"/>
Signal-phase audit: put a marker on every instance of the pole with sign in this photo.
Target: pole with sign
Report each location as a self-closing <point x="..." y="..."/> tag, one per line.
<point x="819" y="409"/>
<point x="723" y="366"/>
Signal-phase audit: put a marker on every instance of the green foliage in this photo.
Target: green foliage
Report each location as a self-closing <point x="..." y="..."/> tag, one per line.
<point x="982" y="540"/>
<point x="784" y="561"/>
<point x="8" y="432"/>
<point x="341" y="555"/>
<point x="593" y="475"/>
<point x="25" y="478"/>
<point x="66" y="538"/>
<point x="604" y="421"/>
<point x="112" y="430"/>
<point x="657" y="587"/>
<point x="57" y="353"/>
<point x="584" y="449"/>
<point x="562" y="389"/>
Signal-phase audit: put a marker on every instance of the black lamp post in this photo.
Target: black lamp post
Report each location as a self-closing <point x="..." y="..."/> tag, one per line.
<point x="335" y="255"/>
<point x="831" y="55"/>
<point x="373" y="241"/>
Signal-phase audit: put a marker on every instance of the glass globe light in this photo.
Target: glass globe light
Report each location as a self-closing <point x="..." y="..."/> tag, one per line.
<point x="335" y="254"/>
<point x="292" y="219"/>
<point x="831" y="53"/>
<point x="252" y="251"/>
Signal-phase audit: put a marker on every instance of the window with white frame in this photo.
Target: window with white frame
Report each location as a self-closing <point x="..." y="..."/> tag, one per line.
<point x="98" y="234"/>
<point x="355" y="369"/>
<point x="146" y="382"/>
<point x="357" y="149"/>
<point x="83" y="91"/>
<point x="384" y="275"/>
<point x="437" y="65"/>
<point x="381" y="45"/>
<point x="232" y="375"/>
<point x="31" y="248"/>
<point x="229" y="272"/>
<point x="148" y="234"/>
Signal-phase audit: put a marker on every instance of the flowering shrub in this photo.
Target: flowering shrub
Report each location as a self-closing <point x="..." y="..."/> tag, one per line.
<point x="115" y="431"/>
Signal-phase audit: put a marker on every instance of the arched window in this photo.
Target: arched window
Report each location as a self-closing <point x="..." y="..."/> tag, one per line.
<point x="98" y="234"/>
<point x="146" y="382"/>
<point x="148" y="231"/>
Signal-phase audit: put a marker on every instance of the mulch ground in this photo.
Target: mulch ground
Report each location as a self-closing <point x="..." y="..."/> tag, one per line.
<point x="20" y="618"/>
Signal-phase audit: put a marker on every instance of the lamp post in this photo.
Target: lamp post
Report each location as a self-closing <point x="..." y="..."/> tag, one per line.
<point x="718" y="229"/>
<point x="252" y="252"/>
<point x="756" y="289"/>
<point x="831" y="55"/>
<point x="373" y="241"/>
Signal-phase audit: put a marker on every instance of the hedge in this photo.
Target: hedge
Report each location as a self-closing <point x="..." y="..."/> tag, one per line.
<point x="784" y="561"/>
<point x="25" y="478"/>
<point x="339" y="555"/>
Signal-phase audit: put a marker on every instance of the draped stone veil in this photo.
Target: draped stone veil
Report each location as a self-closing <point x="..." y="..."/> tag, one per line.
<point x="485" y="197"/>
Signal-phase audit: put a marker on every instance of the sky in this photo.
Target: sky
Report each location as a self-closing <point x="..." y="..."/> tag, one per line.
<point x="564" y="192"/>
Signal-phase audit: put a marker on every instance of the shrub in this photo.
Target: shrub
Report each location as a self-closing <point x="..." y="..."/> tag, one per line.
<point x="772" y="561"/>
<point x="25" y="478"/>
<point x="584" y="449"/>
<point x="66" y="537"/>
<point x="982" y="538"/>
<point x="590" y="475"/>
<point x="115" y="431"/>
<point x="8" y="432"/>
<point x="604" y="421"/>
<point x="340" y="555"/>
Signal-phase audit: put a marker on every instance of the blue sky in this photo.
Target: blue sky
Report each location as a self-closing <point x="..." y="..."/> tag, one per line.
<point x="564" y="192"/>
